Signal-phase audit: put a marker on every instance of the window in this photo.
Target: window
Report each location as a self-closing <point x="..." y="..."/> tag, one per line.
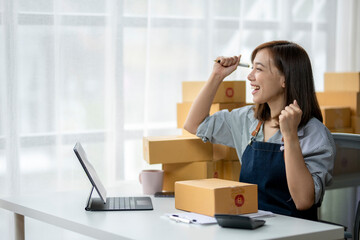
<point x="106" y="73"/>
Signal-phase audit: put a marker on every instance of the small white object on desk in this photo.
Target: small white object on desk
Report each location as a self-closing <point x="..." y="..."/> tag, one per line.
<point x="189" y="217"/>
<point x="176" y="218"/>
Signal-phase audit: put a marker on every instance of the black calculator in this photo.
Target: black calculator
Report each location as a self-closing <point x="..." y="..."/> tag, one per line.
<point x="238" y="221"/>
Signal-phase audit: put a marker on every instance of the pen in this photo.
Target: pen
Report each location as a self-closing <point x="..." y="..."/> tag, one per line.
<point x="179" y="219"/>
<point x="240" y="64"/>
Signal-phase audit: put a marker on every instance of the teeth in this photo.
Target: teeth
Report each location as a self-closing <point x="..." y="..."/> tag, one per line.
<point x="255" y="87"/>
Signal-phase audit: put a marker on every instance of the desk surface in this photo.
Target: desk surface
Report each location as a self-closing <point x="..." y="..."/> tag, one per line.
<point x="66" y="210"/>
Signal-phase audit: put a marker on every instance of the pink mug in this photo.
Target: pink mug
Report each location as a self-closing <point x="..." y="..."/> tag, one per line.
<point x="151" y="180"/>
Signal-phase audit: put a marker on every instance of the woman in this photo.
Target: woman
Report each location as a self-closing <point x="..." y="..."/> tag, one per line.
<point x="283" y="146"/>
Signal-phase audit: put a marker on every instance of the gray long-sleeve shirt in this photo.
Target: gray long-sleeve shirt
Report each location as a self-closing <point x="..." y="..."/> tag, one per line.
<point x="234" y="129"/>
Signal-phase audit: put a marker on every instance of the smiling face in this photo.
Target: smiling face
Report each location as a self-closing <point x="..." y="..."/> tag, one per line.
<point x="267" y="82"/>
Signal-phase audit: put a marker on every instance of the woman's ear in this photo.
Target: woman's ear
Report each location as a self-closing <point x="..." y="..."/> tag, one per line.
<point x="282" y="79"/>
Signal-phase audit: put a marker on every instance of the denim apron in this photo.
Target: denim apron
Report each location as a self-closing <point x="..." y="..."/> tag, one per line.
<point x="263" y="164"/>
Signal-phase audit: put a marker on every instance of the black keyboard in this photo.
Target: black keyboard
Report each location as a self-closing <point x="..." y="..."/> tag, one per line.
<point x="113" y="203"/>
<point x="120" y="203"/>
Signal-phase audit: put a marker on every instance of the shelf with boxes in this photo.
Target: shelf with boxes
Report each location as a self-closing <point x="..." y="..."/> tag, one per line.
<point x="187" y="157"/>
<point x="340" y="101"/>
<point x="340" y="106"/>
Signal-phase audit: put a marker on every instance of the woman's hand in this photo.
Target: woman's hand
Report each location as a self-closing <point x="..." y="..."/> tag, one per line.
<point x="302" y="194"/>
<point x="224" y="66"/>
<point x="289" y="119"/>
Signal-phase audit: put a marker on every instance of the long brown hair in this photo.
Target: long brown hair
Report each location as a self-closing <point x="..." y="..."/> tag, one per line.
<point x="294" y="63"/>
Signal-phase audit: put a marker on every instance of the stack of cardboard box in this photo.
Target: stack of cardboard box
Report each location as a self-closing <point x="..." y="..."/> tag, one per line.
<point x="340" y="102"/>
<point x="340" y="105"/>
<point x="186" y="157"/>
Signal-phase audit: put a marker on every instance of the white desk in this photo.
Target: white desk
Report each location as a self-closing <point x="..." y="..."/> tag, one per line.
<point x="66" y="210"/>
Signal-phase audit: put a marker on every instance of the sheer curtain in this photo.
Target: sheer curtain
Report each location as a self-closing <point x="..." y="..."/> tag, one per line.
<point x="108" y="72"/>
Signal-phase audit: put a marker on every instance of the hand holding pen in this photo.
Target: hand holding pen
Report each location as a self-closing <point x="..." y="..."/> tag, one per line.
<point x="246" y="65"/>
<point x="224" y="66"/>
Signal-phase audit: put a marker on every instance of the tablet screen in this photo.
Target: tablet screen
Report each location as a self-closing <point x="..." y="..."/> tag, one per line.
<point x="90" y="171"/>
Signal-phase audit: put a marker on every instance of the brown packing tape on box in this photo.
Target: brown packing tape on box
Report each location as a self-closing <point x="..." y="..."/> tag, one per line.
<point x="228" y="91"/>
<point x="190" y="171"/>
<point x="336" y="117"/>
<point x="340" y="99"/>
<point x="184" y="108"/>
<point x="216" y="196"/>
<point x="176" y="149"/>
<point x="342" y="81"/>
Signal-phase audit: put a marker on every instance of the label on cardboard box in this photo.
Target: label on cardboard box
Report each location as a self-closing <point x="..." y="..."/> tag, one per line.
<point x="216" y="196"/>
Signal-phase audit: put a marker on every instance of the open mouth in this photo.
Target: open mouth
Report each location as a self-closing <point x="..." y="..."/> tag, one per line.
<point x="255" y="87"/>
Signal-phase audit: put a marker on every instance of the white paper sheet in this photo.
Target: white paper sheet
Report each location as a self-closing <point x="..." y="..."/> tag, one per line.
<point x="195" y="218"/>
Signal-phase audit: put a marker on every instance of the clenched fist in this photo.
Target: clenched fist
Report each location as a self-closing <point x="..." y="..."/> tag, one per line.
<point x="289" y="119"/>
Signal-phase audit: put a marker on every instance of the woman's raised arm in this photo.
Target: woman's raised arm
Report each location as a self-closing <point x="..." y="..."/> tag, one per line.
<point x="200" y="108"/>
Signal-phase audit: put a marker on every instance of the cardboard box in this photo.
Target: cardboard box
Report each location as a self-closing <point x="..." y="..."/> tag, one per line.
<point x="336" y="117"/>
<point x="222" y="152"/>
<point x="342" y="130"/>
<point x="355" y="124"/>
<point x="342" y="81"/>
<point x="216" y="196"/>
<point x="346" y="161"/>
<point x="228" y="91"/>
<point x="231" y="170"/>
<point x="184" y="108"/>
<point x="176" y="149"/>
<point x="341" y="99"/>
<point x="190" y="171"/>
